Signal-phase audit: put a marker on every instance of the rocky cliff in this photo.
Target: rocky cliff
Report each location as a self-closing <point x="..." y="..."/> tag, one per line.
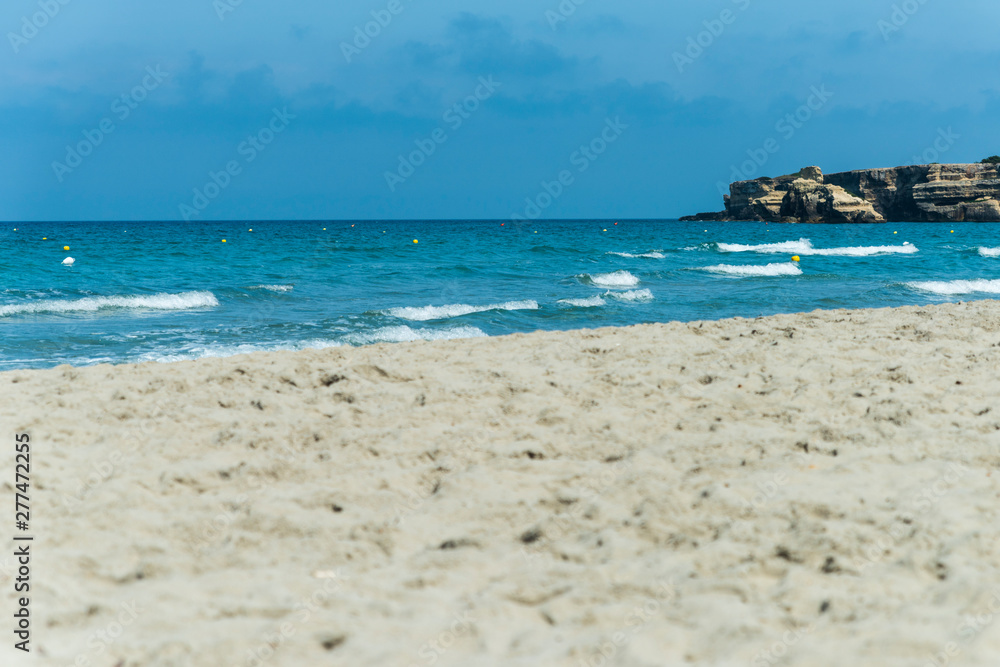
<point x="920" y="193"/>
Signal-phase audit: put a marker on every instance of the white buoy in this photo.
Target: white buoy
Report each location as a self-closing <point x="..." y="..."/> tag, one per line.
<point x="69" y="261"/>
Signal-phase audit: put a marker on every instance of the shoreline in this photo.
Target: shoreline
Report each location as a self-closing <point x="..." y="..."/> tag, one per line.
<point x="354" y="346"/>
<point x="812" y="488"/>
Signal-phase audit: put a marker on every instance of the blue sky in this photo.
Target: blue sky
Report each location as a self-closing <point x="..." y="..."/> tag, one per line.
<point x="209" y="110"/>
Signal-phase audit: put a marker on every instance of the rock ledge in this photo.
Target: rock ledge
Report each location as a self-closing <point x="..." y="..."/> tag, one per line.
<point x="919" y="193"/>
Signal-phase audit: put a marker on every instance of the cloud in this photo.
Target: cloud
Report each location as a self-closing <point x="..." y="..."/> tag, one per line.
<point x="354" y="119"/>
<point x="194" y="80"/>
<point x="475" y="45"/>
<point x="602" y="26"/>
<point x="254" y="88"/>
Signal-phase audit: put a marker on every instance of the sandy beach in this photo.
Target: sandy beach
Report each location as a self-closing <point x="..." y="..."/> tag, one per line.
<point x="814" y="489"/>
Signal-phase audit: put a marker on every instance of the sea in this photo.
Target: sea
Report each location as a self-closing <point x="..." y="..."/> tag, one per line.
<point x="172" y="291"/>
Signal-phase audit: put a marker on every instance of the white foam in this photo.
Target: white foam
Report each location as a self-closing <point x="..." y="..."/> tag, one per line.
<point x="783" y="269"/>
<point x="274" y="288"/>
<point x="802" y="246"/>
<point x="404" y="334"/>
<point x="219" y="351"/>
<point x="616" y="279"/>
<point x="951" y="287"/>
<point x="647" y="255"/>
<point x="989" y="252"/>
<point x="183" y="301"/>
<point x="592" y="302"/>
<point x="865" y="251"/>
<point x="805" y="247"/>
<point x="427" y="313"/>
<point x="636" y="295"/>
<point x="400" y="334"/>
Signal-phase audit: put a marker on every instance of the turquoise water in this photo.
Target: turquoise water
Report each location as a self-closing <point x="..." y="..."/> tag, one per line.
<point x="172" y="291"/>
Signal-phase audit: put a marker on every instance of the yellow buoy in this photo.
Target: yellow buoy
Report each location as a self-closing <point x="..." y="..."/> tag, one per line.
<point x="223" y="240"/>
<point x="953" y="231"/>
<point x="605" y="230"/>
<point x="65" y="247"/>
<point x="250" y="230"/>
<point x="796" y="258"/>
<point x="416" y="241"/>
<point x="45" y="238"/>
<point x="895" y="232"/>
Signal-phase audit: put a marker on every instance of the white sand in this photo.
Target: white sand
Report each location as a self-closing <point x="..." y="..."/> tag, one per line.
<point x="810" y="489"/>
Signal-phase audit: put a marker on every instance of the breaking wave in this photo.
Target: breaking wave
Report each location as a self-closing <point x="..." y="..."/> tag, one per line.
<point x="952" y="287"/>
<point x="93" y="304"/>
<point x="616" y="279"/>
<point x="427" y="313"/>
<point x="592" y="302"/>
<point x="647" y="255"/>
<point x="784" y="269"/>
<point x="805" y="247"/>
<point x="404" y="334"/>
<point x="274" y="288"/>
<point x="636" y="295"/>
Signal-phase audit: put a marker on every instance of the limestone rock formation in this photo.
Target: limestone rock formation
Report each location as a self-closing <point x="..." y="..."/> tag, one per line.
<point x="920" y="193"/>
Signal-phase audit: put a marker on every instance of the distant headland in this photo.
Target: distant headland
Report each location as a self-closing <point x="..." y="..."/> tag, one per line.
<point x="917" y="193"/>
